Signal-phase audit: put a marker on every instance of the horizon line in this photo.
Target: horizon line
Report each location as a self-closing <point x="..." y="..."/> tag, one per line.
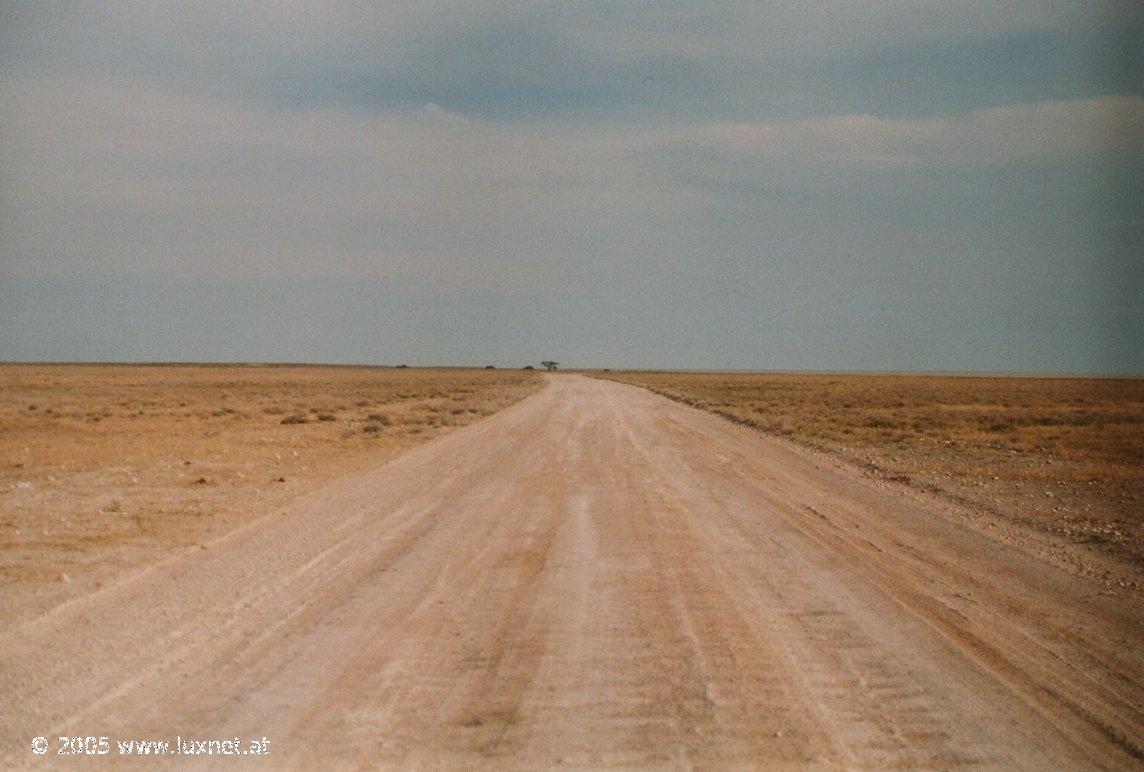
<point x="711" y="371"/>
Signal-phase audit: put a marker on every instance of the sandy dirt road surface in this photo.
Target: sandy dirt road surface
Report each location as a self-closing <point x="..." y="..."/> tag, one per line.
<point x="595" y="576"/>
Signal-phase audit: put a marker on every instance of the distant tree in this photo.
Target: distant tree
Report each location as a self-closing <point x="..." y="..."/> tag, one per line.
<point x="550" y="365"/>
<point x="490" y="367"/>
<point x="529" y="367"/>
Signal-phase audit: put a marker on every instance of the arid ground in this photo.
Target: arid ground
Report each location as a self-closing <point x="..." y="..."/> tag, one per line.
<point x="592" y="575"/>
<point x="1064" y="456"/>
<point x="104" y="468"/>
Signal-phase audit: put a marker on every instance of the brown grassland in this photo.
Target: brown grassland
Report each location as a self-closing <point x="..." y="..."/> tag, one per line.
<point x="1062" y="455"/>
<point x="105" y="467"/>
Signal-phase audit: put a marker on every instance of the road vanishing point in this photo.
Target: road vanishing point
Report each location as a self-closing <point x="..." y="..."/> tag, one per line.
<point x="597" y="576"/>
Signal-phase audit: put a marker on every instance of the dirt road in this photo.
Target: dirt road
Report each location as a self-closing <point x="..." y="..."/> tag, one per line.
<point x="596" y="576"/>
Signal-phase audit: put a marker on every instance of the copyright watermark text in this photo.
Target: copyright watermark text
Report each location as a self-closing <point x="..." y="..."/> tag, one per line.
<point x="180" y="746"/>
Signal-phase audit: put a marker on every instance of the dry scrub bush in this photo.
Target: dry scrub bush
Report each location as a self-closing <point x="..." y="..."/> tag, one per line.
<point x="1001" y="443"/>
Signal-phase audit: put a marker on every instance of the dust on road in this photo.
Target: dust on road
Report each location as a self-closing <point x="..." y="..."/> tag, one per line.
<point x="597" y="575"/>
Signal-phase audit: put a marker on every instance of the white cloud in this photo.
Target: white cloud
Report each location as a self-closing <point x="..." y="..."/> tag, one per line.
<point x="110" y="173"/>
<point x="1052" y="132"/>
<point x="502" y="147"/>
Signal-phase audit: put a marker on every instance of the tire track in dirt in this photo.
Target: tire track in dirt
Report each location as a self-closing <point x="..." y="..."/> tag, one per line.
<point x="597" y="576"/>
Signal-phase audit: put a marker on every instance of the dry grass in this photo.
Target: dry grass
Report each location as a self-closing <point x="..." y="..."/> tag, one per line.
<point x="106" y="464"/>
<point x="1065" y="455"/>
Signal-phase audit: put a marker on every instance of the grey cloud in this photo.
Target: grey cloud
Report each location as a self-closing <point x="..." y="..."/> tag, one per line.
<point x="736" y="60"/>
<point x="485" y="182"/>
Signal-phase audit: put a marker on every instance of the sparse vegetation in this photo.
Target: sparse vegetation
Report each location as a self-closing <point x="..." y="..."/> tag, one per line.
<point x="1065" y="455"/>
<point x="187" y="451"/>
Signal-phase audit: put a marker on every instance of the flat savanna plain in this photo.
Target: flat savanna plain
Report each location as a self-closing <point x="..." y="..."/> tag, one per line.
<point x="593" y="576"/>
<point x="104" y="468"/>
<point x="1062" y="456"/>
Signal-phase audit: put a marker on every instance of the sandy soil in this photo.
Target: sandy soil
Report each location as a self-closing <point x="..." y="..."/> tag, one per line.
<point x="107" y="468"/>
<point x="1062" y="456"/>
<point x="597" y="575"/>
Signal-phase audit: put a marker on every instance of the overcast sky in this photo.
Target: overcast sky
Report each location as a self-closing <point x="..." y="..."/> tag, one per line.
<point x="806" y="184"/>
